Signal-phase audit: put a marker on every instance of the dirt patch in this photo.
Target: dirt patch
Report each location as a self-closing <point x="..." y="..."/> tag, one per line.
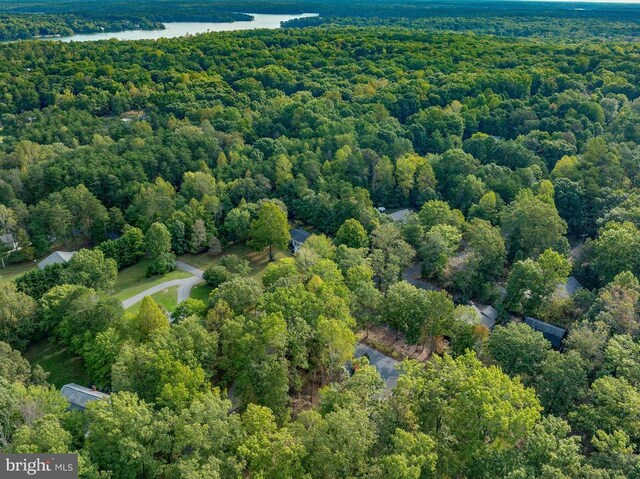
<point x="388" y="342"/>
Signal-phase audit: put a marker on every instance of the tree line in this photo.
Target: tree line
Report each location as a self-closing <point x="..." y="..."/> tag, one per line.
<point x="25" y="26"/>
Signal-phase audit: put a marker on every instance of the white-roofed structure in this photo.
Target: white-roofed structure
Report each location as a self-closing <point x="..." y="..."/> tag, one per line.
<point x="57" y="257"/>
<point x="79" y="396"/>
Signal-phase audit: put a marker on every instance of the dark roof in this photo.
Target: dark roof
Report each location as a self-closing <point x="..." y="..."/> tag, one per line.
<point x="486" y="314"/>
<point x="553" y="334"/>
<point x="299" y="235"/>
<point x="568" y="288"/>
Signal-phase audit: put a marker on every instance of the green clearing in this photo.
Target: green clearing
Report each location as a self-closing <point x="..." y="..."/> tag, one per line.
<point x="14" y="271"/>
<point x="200" y="292"/>
<point x="132" y="280"/>
<point x="62" y="366"/>
<point x="168" y="298"/>
<point x="258" y="260"/>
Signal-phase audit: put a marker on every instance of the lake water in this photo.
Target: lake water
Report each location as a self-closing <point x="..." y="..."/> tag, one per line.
<point x="180" y="29"/>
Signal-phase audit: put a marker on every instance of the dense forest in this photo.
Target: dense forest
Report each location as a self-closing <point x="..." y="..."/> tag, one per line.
<point x="520" y="162"/>
<point x="588" y="26"/>
<point x="571" y="21"/>
<point x="24" y="20"/>
<point x="19" y="27"/>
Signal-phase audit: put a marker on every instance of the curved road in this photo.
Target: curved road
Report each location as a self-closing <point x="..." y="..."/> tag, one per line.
<point x="184" y="285"/>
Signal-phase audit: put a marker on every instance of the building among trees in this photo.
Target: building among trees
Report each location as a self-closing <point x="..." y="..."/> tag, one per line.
<point x="79" y="396"/>
<point x="486" y="314"/>
<point x="554" y="334"/>
<point x="400" y="216"/>
<point x="298" y="237"/>
<point x="57" y="257"/>
<point x="568" y="288"/>
<point x="9" y="242"/>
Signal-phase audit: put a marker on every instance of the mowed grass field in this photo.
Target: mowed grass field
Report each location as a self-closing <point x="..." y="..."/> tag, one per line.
<point x="167" y="298"/>
<point x="132" y="280"/>
<point x="14" y="271"/>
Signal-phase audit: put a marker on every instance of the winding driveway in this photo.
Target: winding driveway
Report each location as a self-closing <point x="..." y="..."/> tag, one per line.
<point x="184" y="285"/>
<point x="189" y="269"/>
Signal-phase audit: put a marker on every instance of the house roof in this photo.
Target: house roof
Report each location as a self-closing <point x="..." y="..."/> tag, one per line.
<point x="7" y="239"/>
<point x="490" y="312"/>
<point x="568" y="288"/>
<point x="553" y="334"/>
<point x="576" y="252"/>
<point x="78" y="396"/>
<point x="299" y="235"/>
<point x="486" y="315"/>
<point x="56" y="257"/>
<point x="502" y="290"/>
<point x="400" y="215"/>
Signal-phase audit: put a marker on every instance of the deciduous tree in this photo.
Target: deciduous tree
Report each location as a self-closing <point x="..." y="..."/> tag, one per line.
<point x="270" y="228"/>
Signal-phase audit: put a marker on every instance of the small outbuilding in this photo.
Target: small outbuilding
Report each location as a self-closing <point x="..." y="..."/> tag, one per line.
<point x="298" y="237"/>
<point x="79" y="396"/>
<point x="568" y="288"/>
<point x="554" y="334"/>
<point x="487" y="315"/>
<point x="57" y="257"/>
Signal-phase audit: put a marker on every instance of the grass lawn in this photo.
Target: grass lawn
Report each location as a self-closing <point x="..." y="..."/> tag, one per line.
<point x="168" y="298"/>
<point x="132" y="280"/>
<point x="62" y="366"/>
<point x="258" y="260"/>
<point x="14" y="271"/>
<point x="201" y="292"/>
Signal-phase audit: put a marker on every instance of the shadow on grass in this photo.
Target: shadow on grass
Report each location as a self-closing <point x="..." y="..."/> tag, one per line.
<point x="62" y="366"/>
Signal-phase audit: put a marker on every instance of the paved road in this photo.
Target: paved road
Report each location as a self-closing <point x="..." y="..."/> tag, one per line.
<point x="385" y="365"/>
<point x="184" y="286"/>
<point x="189" y="269"/>
<point x="184" y="290"/>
